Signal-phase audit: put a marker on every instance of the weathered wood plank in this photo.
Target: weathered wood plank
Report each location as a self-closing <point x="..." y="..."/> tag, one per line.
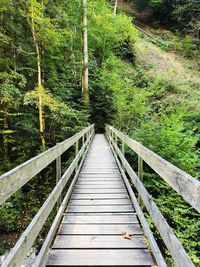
<point x="180" y="181"/>
<point x="100" y="186"/>
<point x="100" y="183"/>
<point x="96" y="202"/>
<point x="99" y="191"/>
<point x="94" y="209"/>
<point x="99" y="196"/>
<point x="114" y="257"/>
<point x="98" y="241"/>
<point x="100" y="219"/>
<point x="100" y="179"/>
<point x="13" y="180"/>
<point x="99" y="229"/>
<point x="100" y="175"/>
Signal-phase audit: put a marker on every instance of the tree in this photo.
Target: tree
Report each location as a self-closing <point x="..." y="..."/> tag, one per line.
<point x="85" y="90"/>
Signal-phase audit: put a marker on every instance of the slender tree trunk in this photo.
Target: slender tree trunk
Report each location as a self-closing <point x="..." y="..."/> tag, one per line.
<point x="85" y="90"/>
<point x="5" y="138"/>
<point x="40" y="88"/>
<point x="115" y="7"/>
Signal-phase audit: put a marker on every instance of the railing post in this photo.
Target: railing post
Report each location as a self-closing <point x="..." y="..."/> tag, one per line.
<point x="140" y="175"/>
<point x="58" y="177"/>
<point x="83" y="140"/>
<point x="123" y="152"/>
<point x="76" y="151"/>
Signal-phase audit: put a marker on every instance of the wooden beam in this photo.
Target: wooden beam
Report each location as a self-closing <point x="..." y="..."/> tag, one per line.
<point x="184" y="184"/>
<point x="13" y="180"/>
<point x="177" y="251"/>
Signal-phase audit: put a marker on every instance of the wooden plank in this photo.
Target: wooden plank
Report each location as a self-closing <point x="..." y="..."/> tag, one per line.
<point x="99" y="229"/>
<point x="98" y="242"/>
<point x="100" y="186"/>
<point x="99" y="196"/>
<point x="99" y="191"/>
<point x="180" y="181"/>
<point x="100" y="219"/>
<point x="100" y="179"/>
<point x="94" y="209"/>
<point x="177" y="251"/>
<point x="107" y="175"/>
<point x="90" y="257"/>
<point x="13" y="180"/>
<point x="96" y="202"/>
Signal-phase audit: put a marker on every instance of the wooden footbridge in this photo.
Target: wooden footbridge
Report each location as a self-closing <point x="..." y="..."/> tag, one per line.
<point x="99" y="219"/>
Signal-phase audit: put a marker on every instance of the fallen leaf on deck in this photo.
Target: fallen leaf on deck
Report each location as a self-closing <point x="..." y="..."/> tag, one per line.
<point x="126" y="235"/>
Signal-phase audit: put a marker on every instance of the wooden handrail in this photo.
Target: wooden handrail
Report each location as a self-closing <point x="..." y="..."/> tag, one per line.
<point x="183" y="183"/>
<point x="177" y="251"/>
<point x="18" y="254"/>
<point x="13" y="180"/>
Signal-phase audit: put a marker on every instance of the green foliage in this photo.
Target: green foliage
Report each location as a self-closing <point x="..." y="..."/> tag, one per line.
<point x="121" y="93"/>
<point x="176" y="143"/>
<point x="181" y="14"/>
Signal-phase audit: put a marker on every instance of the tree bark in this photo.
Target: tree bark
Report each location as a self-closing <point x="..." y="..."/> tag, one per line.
<point x="5" y="136"/>
<point x="40" y="105"/>
<point x="85" y="90"/>
<point x="115" y="7"/>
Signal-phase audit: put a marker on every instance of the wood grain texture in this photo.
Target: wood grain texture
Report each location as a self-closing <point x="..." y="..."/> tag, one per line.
<point x="100" y="196"/>
<point x="98" y="242"/>
<point x="92" y="257"/>
<point x="100" y="219"/>
<point x="99" y="191"/>
<point x="184" y="184"/>
<point x="98" y="213"/>
<point x="13" y="180"/>
<point x="176" y="249"/>
<point x="99" y="229"/>
<point x="105" y="202"/>
<point x="100" y="209"/>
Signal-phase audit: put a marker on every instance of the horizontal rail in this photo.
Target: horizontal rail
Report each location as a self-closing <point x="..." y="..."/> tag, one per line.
<point x="13" y="180"/>
<point x="184" y="184"/>
<point x="177" y="251"/>
<point x="18" y="254"/>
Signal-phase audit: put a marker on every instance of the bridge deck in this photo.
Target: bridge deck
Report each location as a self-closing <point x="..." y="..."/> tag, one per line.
<point x="98" y="212"/>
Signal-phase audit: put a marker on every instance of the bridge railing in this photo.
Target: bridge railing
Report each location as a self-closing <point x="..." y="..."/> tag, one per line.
<point x="181" y="182"/>
<point x="13" y="180"/>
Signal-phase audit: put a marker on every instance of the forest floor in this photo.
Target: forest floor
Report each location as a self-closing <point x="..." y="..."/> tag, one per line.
<point x="182" y="71"/>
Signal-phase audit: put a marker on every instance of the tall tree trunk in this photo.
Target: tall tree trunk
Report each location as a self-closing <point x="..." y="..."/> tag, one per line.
<point x="5" y="136"/>
<point x="40" y="88"/>
<point x="115" y="7"/>
<point x="85" y="90"/>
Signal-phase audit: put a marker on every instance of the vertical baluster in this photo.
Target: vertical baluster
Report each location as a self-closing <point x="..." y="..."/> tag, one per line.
<point x="76" y="151"/>
<point x="123" y="152"/>
<point x="140" y="174"/>
<point x="58" y="176"/>
<point x="83" y="140"/>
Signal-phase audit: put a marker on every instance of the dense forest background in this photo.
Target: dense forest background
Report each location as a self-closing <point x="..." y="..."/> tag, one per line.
<point x="155" y="104"/>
